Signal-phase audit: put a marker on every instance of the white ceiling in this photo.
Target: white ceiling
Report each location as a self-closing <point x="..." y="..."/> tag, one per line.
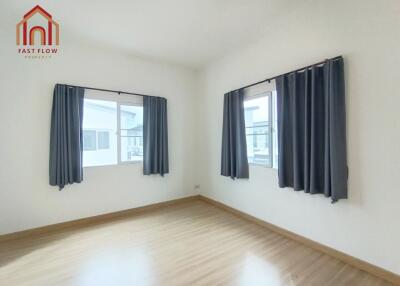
<point x="188" y="32"/>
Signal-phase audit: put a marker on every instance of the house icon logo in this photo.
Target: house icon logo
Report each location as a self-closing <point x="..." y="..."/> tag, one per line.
<point x="37" y="34"/>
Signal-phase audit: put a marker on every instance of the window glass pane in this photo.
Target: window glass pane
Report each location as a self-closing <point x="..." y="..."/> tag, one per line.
<point x="89" y="140"/>
<point x="131" y="149"/>
<point x="100" y="116"/>
<point x="258" y="130"/>
<point x="256" y="110"/>
<point x="258" y="150"/>
<point x="131" y="133"/>
<point x="103" y="138"/>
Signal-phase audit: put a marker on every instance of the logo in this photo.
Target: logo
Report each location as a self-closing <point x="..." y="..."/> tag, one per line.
<point x="37" y="34"/>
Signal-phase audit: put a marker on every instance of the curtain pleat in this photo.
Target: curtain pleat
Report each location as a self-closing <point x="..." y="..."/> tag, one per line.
<point x="312" y="130"/>
<point x="65" y="163"/>
<point x="234" y="162"/>
<point x="155" y="136"/>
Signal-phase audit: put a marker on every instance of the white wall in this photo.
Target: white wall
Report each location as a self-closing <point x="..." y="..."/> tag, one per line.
<point x="366" y="33"/>
<point x="26" y="199"/>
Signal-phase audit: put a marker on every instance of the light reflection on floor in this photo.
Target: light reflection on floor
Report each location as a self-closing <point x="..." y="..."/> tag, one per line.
<point x="257" y="271"/>
<point x="106" y="268"/>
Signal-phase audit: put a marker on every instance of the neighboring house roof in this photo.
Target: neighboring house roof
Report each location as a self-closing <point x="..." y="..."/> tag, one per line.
<point x="251" y="108"/>
<point x="137" y="128"/>
<point x="260" y="123"/>
<point x="106" y="108"/>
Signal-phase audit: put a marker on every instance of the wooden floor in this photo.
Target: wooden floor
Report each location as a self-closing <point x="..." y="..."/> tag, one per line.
<point x="193" y="243"/>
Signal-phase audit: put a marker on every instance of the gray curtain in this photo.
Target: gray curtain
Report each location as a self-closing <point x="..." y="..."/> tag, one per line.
<point x="312" y="130"/>
<point x="155" y="136"/>
<point x="234" y="162"/>
<point x="65" y="166"/>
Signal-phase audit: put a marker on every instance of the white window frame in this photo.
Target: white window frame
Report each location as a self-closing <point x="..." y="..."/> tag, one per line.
<point x="125" y="103"/>
<point x="119" y="99"/>
<point x="261" y="90"/>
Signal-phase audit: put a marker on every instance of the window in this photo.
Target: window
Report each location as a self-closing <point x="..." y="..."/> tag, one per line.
<point x="90" y="137"/>
<point x="131" y="133"/>
<point x="260" y="123"/>
<point x="112" y="129"/>
<point x="103" y="140"/>
<point x="89" y="140"/>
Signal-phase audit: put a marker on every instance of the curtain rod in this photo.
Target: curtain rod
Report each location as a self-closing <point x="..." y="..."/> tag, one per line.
<point x="109" y="90"/>
<point x="297" y="70"/>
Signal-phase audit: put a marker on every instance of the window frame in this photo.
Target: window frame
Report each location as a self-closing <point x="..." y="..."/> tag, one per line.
<point x="125" y="103"/>
<point x="119" y="100"/>
<point x="258" y="92"/>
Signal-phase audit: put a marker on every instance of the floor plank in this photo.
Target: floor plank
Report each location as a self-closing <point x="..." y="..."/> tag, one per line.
<point x="193" y="243"/>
